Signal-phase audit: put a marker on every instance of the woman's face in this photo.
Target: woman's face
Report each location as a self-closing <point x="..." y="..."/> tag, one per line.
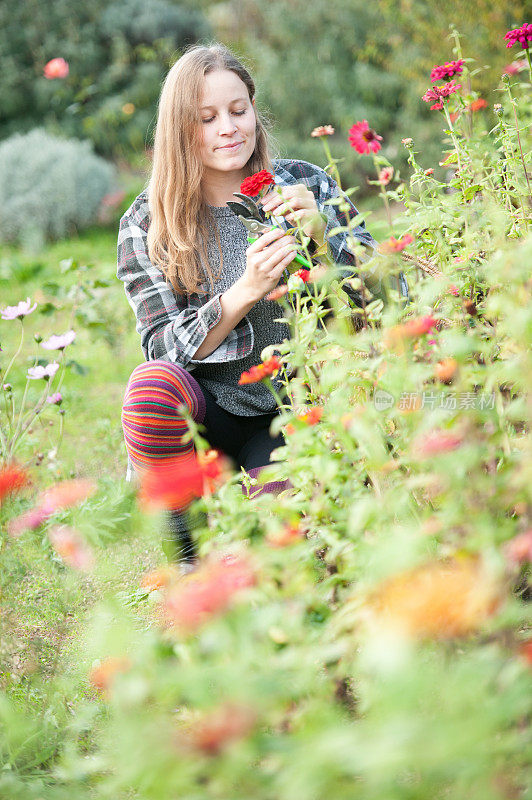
<point x="228" y="122"/>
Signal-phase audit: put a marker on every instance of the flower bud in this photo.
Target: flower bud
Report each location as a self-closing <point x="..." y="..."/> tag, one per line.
<point x="7" y="387"/>
<point x="37" y="337"/>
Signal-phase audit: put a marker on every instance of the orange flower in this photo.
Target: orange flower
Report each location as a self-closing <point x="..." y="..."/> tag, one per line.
<point x="312" y="416"/>
<point x="411" y="329"/>
<point x="288" y="535"/>
<point x="207" y="592"/>
<point x="323" y="130"/>
<point x="102" y="676"/>
<point x="445" y="370"/>
<point x="160" y="578"/>
<point x="436" y="600"/>
<point x="177" y="481"/>
<point x="393" y="245"/>
<point x="65" y="494"/>
<point x="476" y="105"/>
<point x="68" y="544"/>
<point x="257" y="373"/>
<point x="215" y="730"/>
<point x="12" y="479"/>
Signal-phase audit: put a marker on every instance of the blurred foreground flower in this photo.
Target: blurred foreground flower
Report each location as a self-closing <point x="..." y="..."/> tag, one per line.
<point x="289" y="534"/>
<point x="363" y="138"/>
<point x="215" y="730"/>
<point x="260" y="371"/>
<point x="62" y="495"/>
<point x="514" y="67"/>
<point x="393" y="245"/>
<point x="436" y="600"/>
<point x="56" y="68"/>
<point x="206" y="592"/>
<point x="160" y="578"/>
<point x="69" y="544"/>
<point x="176" y="482"/>
<point x="436" y="442"/>
<point x="59" y="342"/>
<point x="411" y="329"/>
<point x="519" y="549"/>
<point x="22" y="309"/>
<point x="12" y="479"/>
<point x="102" y="676"/>
<point x="445" y="370"/>
<point x="323" y="130"/>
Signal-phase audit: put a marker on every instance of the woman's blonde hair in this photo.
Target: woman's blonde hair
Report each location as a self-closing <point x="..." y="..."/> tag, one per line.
<point x="180" y="219"/>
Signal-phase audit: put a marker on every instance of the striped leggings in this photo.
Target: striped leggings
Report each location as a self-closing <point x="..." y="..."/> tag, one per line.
<point x="154" y="428"/>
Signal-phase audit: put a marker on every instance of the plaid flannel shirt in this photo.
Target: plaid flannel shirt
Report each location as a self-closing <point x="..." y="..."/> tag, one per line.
<point x="172" y="327"/>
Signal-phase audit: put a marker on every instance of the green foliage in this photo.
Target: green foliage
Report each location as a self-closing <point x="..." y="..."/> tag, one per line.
<point x="52" y="187"/>
<point x="117" y="53"/>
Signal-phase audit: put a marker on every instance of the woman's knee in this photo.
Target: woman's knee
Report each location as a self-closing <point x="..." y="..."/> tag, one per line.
<point x="167" y="385"/>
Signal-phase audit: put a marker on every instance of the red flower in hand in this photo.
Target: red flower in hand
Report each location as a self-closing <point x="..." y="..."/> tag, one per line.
<point x="252" y="186"/>
<point x="363" y="138"/>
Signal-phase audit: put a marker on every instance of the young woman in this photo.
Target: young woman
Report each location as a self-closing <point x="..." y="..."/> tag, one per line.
<point x="195" y="284"/>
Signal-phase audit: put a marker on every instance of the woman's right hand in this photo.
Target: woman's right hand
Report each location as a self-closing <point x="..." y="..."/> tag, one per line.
<point x="266" y="260"/>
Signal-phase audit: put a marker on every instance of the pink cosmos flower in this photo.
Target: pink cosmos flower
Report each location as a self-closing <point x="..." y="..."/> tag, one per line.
<point x="28" y="521"/>
<point x="56" y="68"/>
<point x="447" y="70"/>
<point x="385" y="175"/>
<point x="55" y="399"/>
<point x="59" y="342"/>
<point x="522" y="35"/>
<point x="68" y="544"/>
<point x="363" y="138"/>
<point x="47" y="372"/>
<point x="17" y="312"/>
<point x="61" y="495"/>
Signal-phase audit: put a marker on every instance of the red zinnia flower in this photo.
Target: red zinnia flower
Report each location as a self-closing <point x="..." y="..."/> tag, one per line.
<point x="393" y="245"/>
<point x="447" y="70"/>
<point x="364" y="139"/>
<point x="12" y="479"/>
<point x="253" y="185"/>
<point x="215" y="730"/>
<point x="411" y="329"/>
<point x="523" y="35"/>
<point x="56" y="68"/>
<point x="175" y="483"/>
<point x="288" y="535"/>
<point x="260" y="371"/>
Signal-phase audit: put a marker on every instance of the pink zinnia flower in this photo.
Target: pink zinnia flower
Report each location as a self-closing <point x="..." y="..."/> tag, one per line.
<point x="385" y="175"/>
<point x="364" y="139"/>
<point x="522" y="35"/>
<point x="56" y="68"/>
<point x="68" y="544"/>
<point x="323" y="130"/>
<point x="447" y="70"/>
<point x="55" y="399"/>
<point x="47" y="372"/>
<point x="17" y="312"/>
<point x="59" y="342"/>
<point x="439" y="93"/>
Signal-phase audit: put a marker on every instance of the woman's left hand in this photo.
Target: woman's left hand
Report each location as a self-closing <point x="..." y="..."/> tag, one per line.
<point x="297" y="203"/>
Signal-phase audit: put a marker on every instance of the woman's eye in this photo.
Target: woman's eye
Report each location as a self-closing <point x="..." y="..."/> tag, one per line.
<point x="237" y="113"/>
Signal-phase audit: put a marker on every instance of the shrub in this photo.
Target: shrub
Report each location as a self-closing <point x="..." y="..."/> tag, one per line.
<point x="51" y="187"/>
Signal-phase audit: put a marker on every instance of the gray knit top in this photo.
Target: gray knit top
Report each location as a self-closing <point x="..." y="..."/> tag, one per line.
<point x="221" y="379"/>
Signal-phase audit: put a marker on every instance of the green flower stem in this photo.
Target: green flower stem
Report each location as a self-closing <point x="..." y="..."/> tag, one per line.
<point x="269" y="383"/>
<point x="384" y="197"/>
<point x="6" y="373"/>
<point x="24" y="425"/>
<point x="529" y="59"/>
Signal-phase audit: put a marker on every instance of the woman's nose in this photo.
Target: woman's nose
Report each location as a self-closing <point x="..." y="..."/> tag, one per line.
<point x="227" y="124"/>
